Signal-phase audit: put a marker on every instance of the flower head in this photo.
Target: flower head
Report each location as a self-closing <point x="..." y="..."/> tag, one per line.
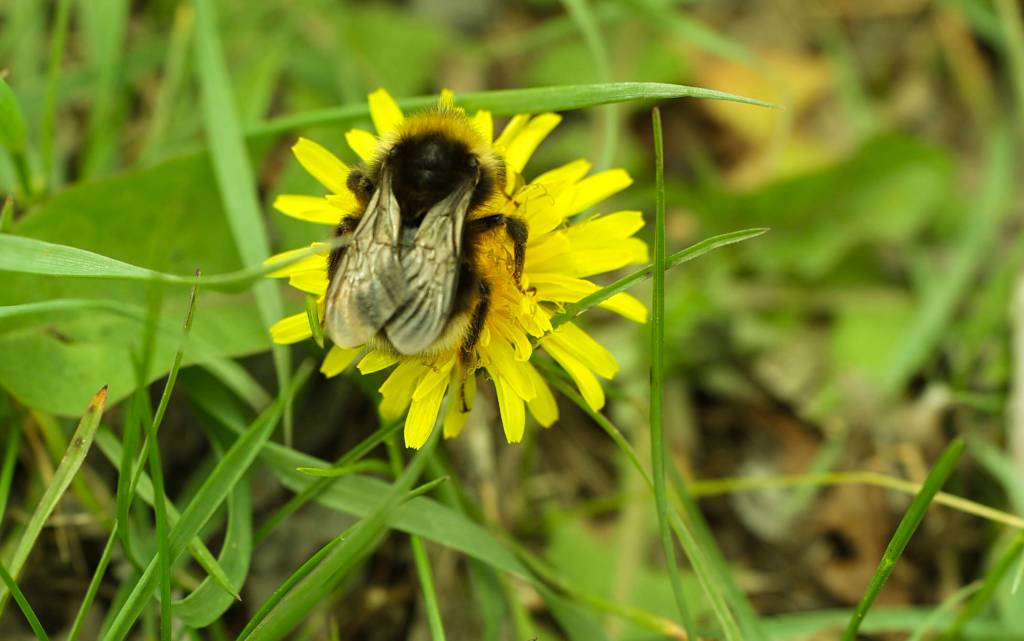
<point x="561" y="252"/>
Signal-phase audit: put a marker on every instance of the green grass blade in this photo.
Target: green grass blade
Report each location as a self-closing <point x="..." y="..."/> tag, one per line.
<point x="340" y="560"/>
<point x="208" y="602"/>
<point x="942" y="610"/>
<point x="1013" y="35"/>
<point x="420" y="559"/>
<point x="988" y="587"/>
<point x="228" y="472"/>
<point x="657" y="421"/>
<point x="94" y="585"/>
<point x="104" y="23"/>
<point x="289" y="583"/>
<point x="314" y="490"/>
<point x="507" y="102"/>
<point x="702" y="567"/>
<point x="678" y="258"/>
<point x="31" y="256"/>
<point x="173" y="77"/>
<point x="718" y="567"/>
<point x="908" y="524"/>
<point x="114" y="451"/>
<point x="976" y="242"/>
<point x="26" y="609"/>
<point x="11" y="447"/>
<point x="65" y="472"/>
<point x="235" y="176"/>
<point x="7" y="215"/>
<point x="586" y="22"/>
<point x="58" y="38"/>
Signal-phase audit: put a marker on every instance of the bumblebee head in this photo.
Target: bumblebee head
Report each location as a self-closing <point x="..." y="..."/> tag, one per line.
<point x="434" y="153"/>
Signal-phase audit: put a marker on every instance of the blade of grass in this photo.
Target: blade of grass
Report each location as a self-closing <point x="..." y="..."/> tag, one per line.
<point x="7" y="215"/>
<point x="295" y="605"/>
<point x="710" y="583"/>
<point x="657" y="422"/>
<point x="207" y="603"/>
<point x="73" y="458"/>
<point x="420" y="559"/>
<point x="314" y="490"/>
<point x="1013" y="35"/>
<point x="94" y="584"/>
<point x="32" y="256"/>
<point x="678" y="258"/>
<point x="104" y="23"/>
<point x="173" y="76"/>
<point x="976" y="241"/>
<point x="988" y="587"/>
<point x="26" y="609"/>
<point x="908" y="525"/>
<point x="156" y="470"/>
<point x="942" y="610"/>
<point x="583" y="16"/>
<point x="58" y="37"/>
<point x="228" y="471"/>
<point x="304" y="569"/>
<point x="508" y="102"/>
<point x="110" y="448"/>
<point x="235" y="177"/>
<point x="10" y="460"/>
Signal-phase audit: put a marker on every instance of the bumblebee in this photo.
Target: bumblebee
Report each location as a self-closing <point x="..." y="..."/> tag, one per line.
<point x="405" y="282"/>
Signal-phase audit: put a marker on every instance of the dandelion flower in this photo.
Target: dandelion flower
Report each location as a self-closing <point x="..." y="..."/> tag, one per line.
<point x="561" y="253"/>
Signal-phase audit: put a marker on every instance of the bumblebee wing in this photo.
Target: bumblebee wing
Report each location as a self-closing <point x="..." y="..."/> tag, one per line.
<point x="369" y="284"/>
<point x="431" y="268"/>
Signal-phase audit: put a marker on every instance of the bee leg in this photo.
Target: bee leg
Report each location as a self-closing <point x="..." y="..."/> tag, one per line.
<point x="476" y="326"/>
<point x="346" y="226"/>
<point x="360" y="185"/>
<point x="516" y="230"/>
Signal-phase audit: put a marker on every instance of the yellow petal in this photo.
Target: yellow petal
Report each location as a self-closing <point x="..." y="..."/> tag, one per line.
<point x="585" y="349"/>
<point x="599" y="230"/>
<point x="628" y="306"/>
<point x="511" y="130"/>
<point x="375" y="361"/>
<point x="337" y="359"/>
<point x="423" y="415"/>
<point x="484" y="124"/>
<point x="291" y="329"/>
<point x="435" y="377"/>
<point x="543" y="407"/>
<point x="385" y="112"/>
<point x="309" y="208"/>
<point x="502" y="364"/>
<point x="397" y="389"/>
<point x="585" y="381"/>
<point x="322" y="165"/>
<point x="311" y="282"/>
<point x="291" y="263"/>
<point x="570" y="173"/>
<point x="447" y="99"/>
<point x="510" y="406"/>
<point x="521" y="147"/>
<point x="587" y="262"/>
<point x="593" y="189"/>
<point x="363" y="143"/>
<point x="344" y="201"/>
<point x="454" y="417"/>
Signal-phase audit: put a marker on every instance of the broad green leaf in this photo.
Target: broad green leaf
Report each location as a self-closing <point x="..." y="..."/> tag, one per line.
<point x="166" y="218"/>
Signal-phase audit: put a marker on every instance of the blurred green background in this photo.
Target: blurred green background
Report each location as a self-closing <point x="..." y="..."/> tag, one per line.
<point x="873" y="323"/>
